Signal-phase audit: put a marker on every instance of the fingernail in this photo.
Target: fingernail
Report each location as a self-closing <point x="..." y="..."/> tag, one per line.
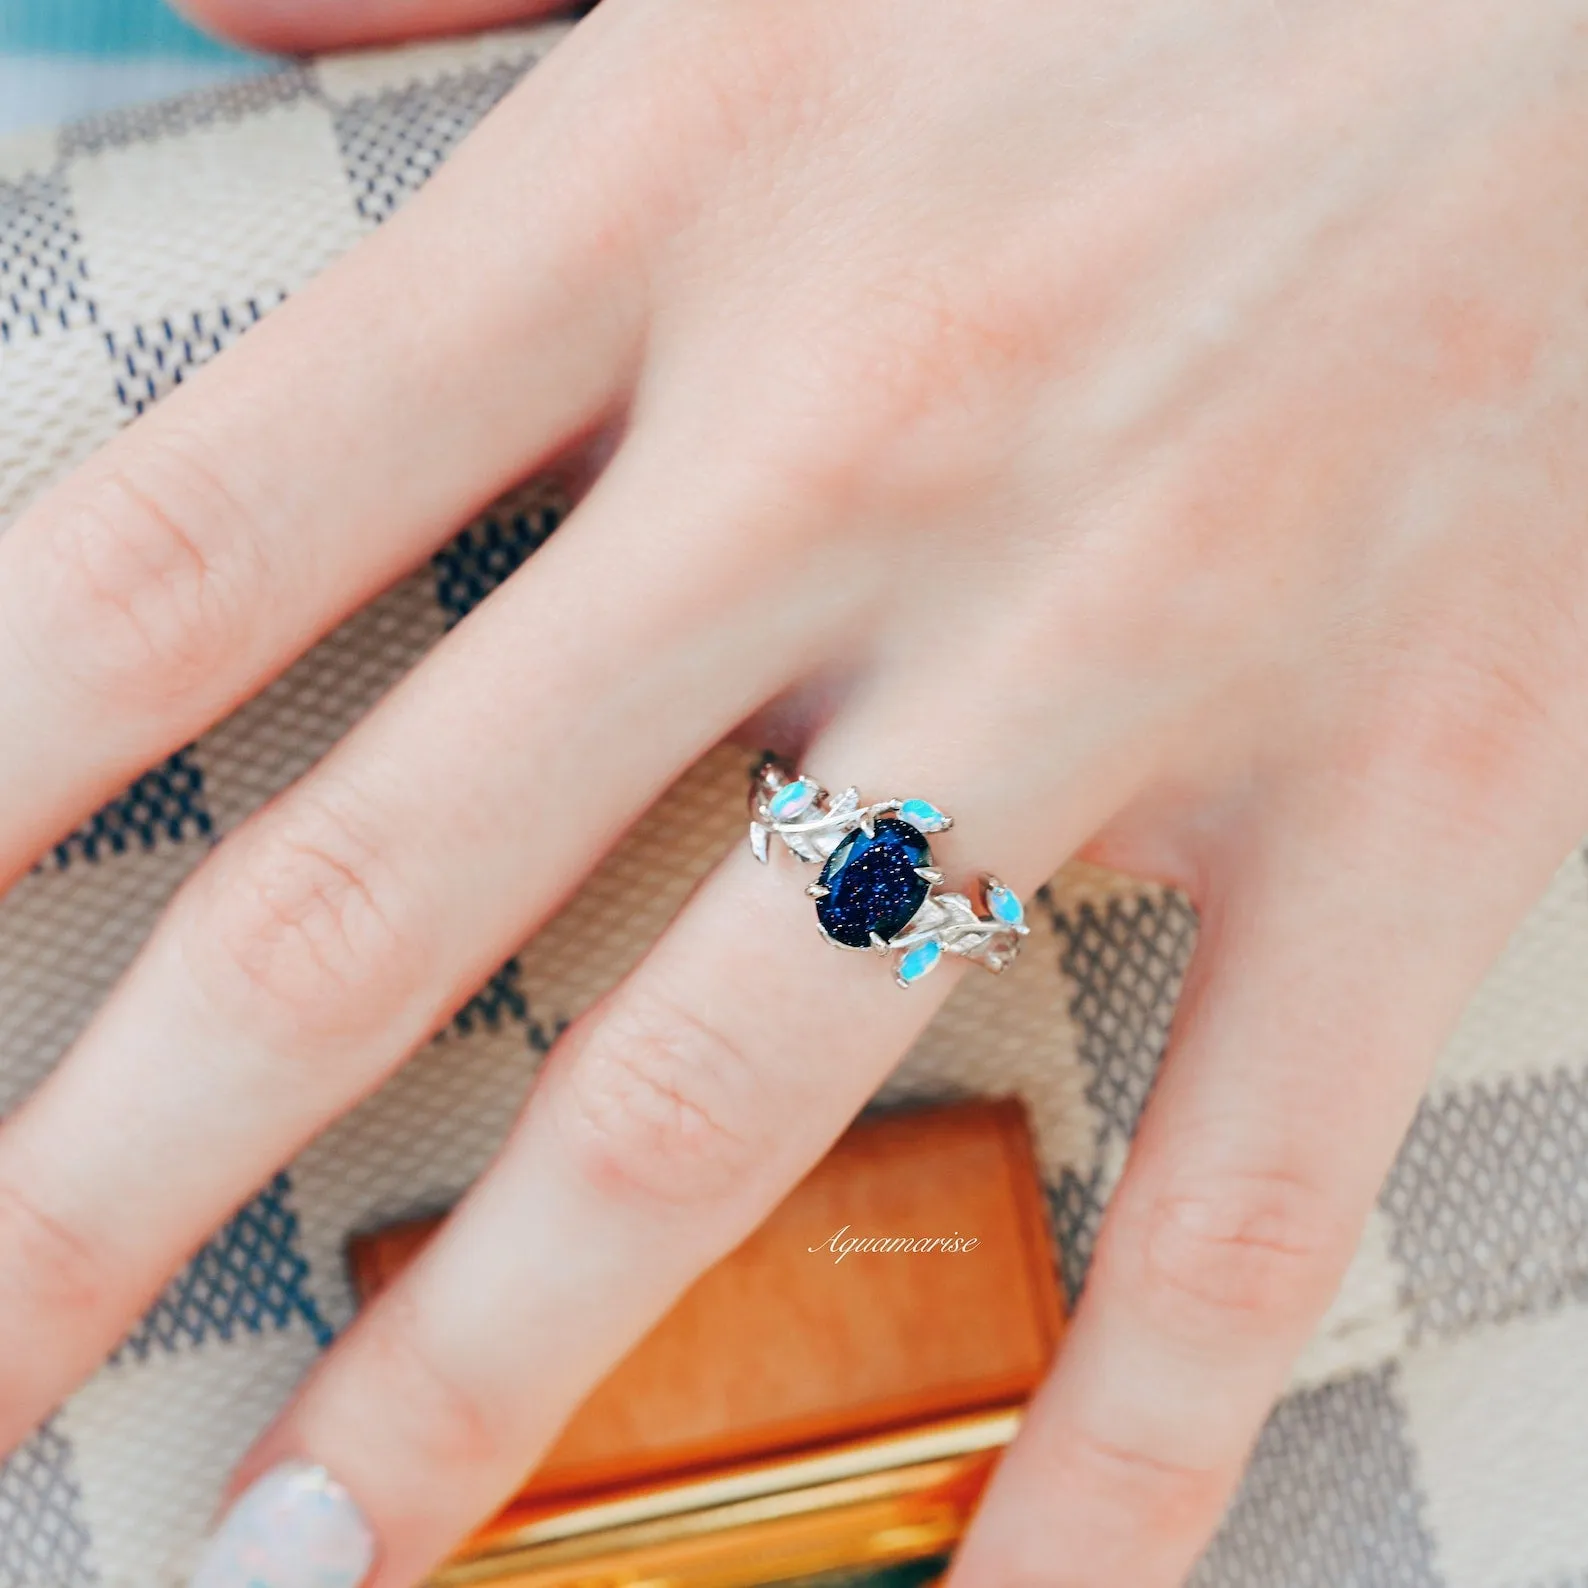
<point x="297" y="1527"/>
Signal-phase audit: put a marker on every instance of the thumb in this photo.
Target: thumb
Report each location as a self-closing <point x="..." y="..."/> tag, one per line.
<point x="303" y="26"/>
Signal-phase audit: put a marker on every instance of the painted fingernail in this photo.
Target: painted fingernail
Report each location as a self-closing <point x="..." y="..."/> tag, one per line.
<point x="297" y="1527"/>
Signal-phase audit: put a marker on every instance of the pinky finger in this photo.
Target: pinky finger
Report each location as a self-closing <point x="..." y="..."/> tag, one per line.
<point x="1303" y="1045"/>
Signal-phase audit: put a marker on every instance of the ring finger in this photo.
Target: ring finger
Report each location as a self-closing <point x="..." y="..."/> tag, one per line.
<point x="667" y="1123"/>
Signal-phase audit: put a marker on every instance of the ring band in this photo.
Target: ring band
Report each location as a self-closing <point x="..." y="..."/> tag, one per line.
<point x="878" y="886"/>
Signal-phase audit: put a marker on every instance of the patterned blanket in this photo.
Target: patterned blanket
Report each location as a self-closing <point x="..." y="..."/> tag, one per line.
<point x="1436" y="1434"/>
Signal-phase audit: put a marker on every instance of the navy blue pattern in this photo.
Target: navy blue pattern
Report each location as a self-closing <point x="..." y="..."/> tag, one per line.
<point x="43" y="280"/>
<point x="1487" y="1221"/>
<point x="489" y="552"/>
<point x="44" y="1542"/>
<point x="208" y="107"/>
<point x="1075" y="1213"/>
<point x="251" y="1278"/>
<point x="542" y="1037"/>
<point x="166" y="804"/>
<point x="1126" y="963"/>
<point x="393" y="143"/>
<point x="152" y="360"/>
<point x="500" y="1001"/>
<point x="1332" y="1498"/>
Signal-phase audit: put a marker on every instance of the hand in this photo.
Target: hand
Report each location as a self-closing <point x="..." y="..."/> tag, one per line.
<point x="1157" y="429"/>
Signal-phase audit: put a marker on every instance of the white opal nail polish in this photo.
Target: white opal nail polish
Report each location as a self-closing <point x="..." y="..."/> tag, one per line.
<point x="297" y="1527"/>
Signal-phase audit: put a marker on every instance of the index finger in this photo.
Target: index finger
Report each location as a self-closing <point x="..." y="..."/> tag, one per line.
<point x="333" y="448"/>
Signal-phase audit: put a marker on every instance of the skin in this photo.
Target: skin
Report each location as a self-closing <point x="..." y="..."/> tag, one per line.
<point x="1205" y="381"/>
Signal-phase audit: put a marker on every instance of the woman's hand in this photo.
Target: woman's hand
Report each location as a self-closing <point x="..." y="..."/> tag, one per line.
<point x="1158" y="427"/>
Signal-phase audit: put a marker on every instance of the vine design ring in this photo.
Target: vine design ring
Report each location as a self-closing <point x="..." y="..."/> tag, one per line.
<point x="878" y="888"/>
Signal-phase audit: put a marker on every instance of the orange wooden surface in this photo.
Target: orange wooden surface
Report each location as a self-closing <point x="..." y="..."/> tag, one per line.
<point x="780" y="1348"/>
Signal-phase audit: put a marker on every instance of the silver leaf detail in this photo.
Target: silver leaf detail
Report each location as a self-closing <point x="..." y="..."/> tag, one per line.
<point x="847" y="801"/>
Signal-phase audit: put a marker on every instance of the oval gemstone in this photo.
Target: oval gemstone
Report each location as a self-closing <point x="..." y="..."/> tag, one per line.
<point x="872" y="883"/>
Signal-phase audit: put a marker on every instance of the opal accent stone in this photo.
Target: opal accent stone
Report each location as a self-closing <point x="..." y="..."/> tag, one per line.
<point x="921" y="959"/>
<point x="1005" y="906"/>
<point x="792" y="800"/>
<point x="924" y="816"/>
<point x="872" y="883"/>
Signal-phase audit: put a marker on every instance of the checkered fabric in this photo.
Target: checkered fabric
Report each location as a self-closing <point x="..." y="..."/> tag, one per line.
<point x="1436" y="1435"/>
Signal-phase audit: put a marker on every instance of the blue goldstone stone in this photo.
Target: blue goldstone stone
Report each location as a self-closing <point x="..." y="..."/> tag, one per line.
<point x="873" y="885"/>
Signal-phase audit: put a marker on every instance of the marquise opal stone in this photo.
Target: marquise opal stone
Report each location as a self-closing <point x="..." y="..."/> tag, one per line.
<point x="924" y="815"/>
<point x="872" y="883"/>
<point x="1005" y="906"/>
<point x="792" y="800"/>
<point x="920" y="961"/>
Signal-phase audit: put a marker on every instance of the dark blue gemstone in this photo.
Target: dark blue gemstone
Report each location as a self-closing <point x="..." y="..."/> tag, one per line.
<point x="872" y="884"/>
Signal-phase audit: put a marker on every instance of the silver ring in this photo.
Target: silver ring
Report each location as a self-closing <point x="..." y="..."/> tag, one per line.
<point x="878" y="888"/>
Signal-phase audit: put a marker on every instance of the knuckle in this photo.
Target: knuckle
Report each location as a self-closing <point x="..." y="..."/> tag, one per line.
<point x="298" y="929"/>
<point x="1174" y="1498"/>
<point x="653" y="1098"/>
<point x="1454" y="736"/>
<point x="1181" y="577"/>
<point x="449" y="1424"/>
<point x="1253" y="1253"/>
<point x="44" y="1263"/>
<point x="138" y="590"/>
<point x="759" y="75"/>
<point x="906" y="395"/>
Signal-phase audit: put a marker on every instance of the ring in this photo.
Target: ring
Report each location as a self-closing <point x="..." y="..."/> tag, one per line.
<point x="878" y="886"/>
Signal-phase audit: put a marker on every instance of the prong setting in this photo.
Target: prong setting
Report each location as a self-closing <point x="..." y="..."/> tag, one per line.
<point x="891" y="868"/>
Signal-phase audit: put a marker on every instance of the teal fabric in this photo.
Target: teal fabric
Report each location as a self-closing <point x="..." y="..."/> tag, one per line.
<point x="106" y="29"/>
<point x="63" y="59"/>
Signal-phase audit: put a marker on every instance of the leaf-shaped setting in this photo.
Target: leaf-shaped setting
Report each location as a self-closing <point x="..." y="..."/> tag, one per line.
<point x="803" y="847"/>
<point x="848" y="801"/>
<point x="758" y="841"/>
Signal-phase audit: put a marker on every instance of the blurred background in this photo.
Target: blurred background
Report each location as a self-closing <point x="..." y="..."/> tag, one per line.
<point x="64" y="58"/>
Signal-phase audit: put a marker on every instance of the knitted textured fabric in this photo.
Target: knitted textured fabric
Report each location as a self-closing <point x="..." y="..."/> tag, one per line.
<point x="1437" y="1430"/>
